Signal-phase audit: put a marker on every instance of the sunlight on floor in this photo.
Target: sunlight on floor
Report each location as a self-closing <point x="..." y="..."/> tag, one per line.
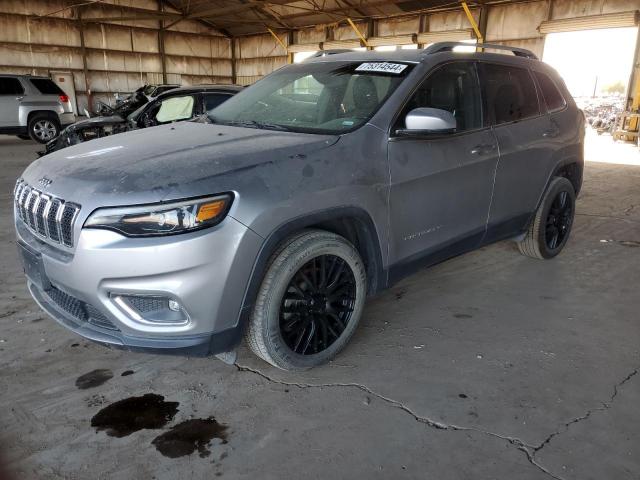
<point x="603" y="149"/>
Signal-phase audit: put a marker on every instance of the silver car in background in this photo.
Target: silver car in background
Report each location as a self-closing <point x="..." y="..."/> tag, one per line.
<point x="33" y="107"/>
<point x="321" y="184"/>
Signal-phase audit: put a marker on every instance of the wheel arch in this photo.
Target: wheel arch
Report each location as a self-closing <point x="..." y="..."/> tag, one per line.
<point x="353" y="223"/>
<point x="570" y="169"/>
<point x="49" y="113"/>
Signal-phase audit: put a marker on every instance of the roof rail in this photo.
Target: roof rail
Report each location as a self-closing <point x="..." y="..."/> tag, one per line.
<point x="326" y="53"/>
<point x="449" y="46"/>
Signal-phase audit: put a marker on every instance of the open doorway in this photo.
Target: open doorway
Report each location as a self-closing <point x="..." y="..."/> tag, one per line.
<point x="596" y="66"/>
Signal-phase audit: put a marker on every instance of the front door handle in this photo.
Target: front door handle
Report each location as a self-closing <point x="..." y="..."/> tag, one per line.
<point x="550" y="133"/>
<point x="483" y="149"/>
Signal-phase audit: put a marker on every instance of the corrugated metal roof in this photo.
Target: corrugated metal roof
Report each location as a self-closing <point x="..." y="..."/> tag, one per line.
<point x="242" y="17"/>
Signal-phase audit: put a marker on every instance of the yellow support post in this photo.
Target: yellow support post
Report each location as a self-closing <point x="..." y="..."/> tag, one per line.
<point x="278" y="39"/>
<point x="353" y="25"/>
<point x="472" y="21"/>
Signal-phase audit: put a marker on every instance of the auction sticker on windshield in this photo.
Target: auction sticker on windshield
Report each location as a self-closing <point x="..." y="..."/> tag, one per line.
<point x="385" y="67"/>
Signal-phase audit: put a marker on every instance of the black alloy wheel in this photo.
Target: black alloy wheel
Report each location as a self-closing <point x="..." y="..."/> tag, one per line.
<point x="317" y="305"/>
<point x="559" y="220"/>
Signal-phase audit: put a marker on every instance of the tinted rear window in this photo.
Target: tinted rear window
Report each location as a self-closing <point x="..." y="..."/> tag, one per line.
<point x="10" y="86"/>
<point x="551" y="94"/>
<point x="46" y="86"/>
<point x="511" y="93"/>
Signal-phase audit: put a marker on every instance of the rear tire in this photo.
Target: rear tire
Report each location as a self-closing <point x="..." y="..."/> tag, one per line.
<point x="310" y="301"/>
<point x="550" y="229"/>
<point x="43" y="127"/>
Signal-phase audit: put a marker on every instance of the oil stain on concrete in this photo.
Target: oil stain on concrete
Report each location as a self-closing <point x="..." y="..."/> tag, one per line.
<point x="94" y="378"/>
<point x="185" y="437"/>
<point x="126" y="416"/>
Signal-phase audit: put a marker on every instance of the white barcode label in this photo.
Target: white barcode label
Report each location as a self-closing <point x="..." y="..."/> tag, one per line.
<point x="385" y="67"/>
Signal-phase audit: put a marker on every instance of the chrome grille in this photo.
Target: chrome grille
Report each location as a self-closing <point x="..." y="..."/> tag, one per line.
<point x="46" y="216"/>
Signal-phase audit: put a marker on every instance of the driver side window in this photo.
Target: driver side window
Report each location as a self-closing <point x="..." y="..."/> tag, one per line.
<point x="454" y="87"/>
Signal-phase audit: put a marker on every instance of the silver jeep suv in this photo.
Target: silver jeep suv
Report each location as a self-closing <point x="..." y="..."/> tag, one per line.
<point x="33" y="107"/>
<point x="323" y="183"/>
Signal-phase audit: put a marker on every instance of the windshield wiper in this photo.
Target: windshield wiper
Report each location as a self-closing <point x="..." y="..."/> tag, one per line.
<point x="251" y="124"/>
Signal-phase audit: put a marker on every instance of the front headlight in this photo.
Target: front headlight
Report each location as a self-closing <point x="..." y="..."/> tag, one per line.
<point x="162" y="218"/>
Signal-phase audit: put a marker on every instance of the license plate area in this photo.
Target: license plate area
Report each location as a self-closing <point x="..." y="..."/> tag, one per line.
<point x="33" y="266"/>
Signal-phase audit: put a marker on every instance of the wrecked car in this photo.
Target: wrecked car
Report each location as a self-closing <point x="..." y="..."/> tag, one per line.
<point x="323" y="183"/>
<point x="182" y="103"/>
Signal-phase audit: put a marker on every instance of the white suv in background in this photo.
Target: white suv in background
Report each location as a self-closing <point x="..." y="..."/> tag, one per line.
<point x="33" y="107"/>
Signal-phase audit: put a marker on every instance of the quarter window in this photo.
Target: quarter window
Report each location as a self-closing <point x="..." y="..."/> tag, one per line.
<point x="453" y="87"/>
<point x="10" y="86"/>
<point x="46" y="86"/>
<point x="552" y="96"/>
<point x="511" y="93"/>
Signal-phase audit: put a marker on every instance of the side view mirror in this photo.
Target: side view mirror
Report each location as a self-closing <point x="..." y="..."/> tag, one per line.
<point x="428" y="121"/>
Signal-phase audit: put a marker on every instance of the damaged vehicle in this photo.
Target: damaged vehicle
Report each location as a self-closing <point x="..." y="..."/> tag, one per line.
<point x="323" y="183"/>
<point x="178" y="104"/>
<point x="122" y="108"/>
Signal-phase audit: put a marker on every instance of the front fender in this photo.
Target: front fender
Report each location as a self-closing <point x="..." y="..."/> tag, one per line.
<point x="368" y="236"/>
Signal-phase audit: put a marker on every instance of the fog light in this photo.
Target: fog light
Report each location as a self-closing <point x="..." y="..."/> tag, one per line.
<point x="151" y="309"/>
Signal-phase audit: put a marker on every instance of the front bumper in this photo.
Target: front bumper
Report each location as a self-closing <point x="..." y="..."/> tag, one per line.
<point x="205" y="272"/>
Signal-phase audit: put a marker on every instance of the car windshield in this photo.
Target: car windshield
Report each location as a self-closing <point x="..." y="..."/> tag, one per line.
<point x="323" y="97"/>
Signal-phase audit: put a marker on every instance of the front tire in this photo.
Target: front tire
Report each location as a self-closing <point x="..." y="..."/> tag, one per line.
<point x="310" y="301"/>
<point x="43" y="127"/>
<point x="550" y="229"/>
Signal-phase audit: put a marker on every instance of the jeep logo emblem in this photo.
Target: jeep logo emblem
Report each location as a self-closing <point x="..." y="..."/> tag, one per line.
<point x="45" y="182"/>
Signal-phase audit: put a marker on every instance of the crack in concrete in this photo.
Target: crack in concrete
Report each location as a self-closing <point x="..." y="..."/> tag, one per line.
<point x="613" y="217"/>
<point x="530" y="451"/>
<point x="605" y="406"/>
<point x="519" y="444"/>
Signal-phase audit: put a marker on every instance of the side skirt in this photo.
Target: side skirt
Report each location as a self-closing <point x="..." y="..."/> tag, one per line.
<point x="511" y="228"/>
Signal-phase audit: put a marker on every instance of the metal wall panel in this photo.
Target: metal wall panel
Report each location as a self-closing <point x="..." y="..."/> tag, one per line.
<point x="120" y="55"/>
<point x="521" y="20"/>
<point x="581" y="8"/>
<point x="398" y="26"/>
<point x="310" y="35"/>
<point x="259" y="67"/>
<point x="453" y="20"/>
<point x="197" y="66"/>
<point x="259" y="46"/>
<point x="346" y="32"/>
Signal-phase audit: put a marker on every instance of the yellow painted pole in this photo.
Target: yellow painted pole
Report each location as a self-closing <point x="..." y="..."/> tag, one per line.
<point x="473" y="23"/>
<point x="353" y="25"/>
<point x="277" y="39"/>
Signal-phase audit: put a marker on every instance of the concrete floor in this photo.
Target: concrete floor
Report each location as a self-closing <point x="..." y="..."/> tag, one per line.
<point x="491" y="365"/>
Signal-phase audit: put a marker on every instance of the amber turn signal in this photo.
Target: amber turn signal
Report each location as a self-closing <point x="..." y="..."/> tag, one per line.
<point x="207" y="211"/>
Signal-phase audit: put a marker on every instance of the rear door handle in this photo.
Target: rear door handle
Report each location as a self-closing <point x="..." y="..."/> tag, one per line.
<point x="550" y="133"/>
<point x="483" y="149"/>
<point x="19" y="98"/>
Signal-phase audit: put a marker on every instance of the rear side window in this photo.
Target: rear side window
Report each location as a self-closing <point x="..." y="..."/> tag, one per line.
<point x="511" y="93"/>
<point x="212" y="100"/>
<point x="10" y="86"/>
<point x="453" y="87"/>
<point x="46" y="86"/>
<point x="552" y="96"/>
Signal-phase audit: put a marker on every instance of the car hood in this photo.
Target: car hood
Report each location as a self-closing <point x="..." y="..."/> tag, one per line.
<point x="166" y="162"/>
<point x="96" y="121"/>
